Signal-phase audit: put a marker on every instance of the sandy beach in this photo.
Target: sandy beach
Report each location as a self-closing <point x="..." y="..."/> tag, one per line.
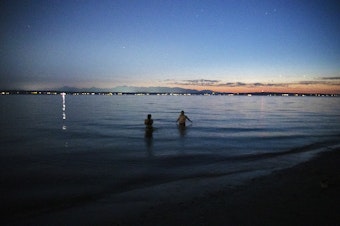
<point x="306" y="194"/>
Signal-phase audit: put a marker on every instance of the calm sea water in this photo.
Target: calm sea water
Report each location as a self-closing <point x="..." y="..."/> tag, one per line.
<point x="89" y="147"/>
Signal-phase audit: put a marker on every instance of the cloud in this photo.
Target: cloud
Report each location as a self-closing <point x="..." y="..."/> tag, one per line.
<point x="330" y="78"/>
<point x="233" y="84"/>
<point x="310" y="83"/>
<point x="330" y="81"/>
<point x="218" y="83"/>
<point x="197" y="82"/>
<point x="252" y="85"/>
<point x="258" y="84"/>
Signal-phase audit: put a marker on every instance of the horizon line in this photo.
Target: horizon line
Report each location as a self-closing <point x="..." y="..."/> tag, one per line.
<point x="198" y="93"/>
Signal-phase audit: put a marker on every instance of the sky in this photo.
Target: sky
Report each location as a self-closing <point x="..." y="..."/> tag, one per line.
<point x="227" y="45"/>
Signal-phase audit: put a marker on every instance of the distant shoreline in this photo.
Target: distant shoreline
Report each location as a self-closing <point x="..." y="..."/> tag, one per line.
<point x="201" y="93"/>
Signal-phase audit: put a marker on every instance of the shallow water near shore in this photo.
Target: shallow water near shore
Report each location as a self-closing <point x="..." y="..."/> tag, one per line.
<point x="66" y="150"/>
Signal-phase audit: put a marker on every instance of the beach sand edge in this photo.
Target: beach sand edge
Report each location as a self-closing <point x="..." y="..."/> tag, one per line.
<point x="306" y="194"/>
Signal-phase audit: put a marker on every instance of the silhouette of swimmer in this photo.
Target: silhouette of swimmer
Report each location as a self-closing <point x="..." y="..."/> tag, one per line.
<point x="182" y="119"/>
<point x="148" y="122"/>
<point x="148" y="134"/>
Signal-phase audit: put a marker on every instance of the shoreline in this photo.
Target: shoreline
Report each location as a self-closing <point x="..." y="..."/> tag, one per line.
<point x="305" y="194"/>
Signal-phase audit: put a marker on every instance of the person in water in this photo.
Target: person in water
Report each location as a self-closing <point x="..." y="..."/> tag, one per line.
<point x="148" y="122"/>
<point x="182" y="119"/>
<point x="148" y="133"/>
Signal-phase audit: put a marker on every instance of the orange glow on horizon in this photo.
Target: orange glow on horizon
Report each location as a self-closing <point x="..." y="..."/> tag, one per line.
<point x="308" y="89"/>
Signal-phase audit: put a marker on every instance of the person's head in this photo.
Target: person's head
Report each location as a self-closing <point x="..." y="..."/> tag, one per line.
<point x="149" y="116"/>
<point x="182" y="112"/>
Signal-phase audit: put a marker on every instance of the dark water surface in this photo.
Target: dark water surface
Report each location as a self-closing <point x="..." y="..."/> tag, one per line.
<point x="57" y="153"/>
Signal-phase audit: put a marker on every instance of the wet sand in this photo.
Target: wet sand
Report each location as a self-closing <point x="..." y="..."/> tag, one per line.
<point x="307" y="194"/>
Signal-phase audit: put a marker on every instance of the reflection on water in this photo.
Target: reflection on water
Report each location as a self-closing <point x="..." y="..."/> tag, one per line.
<point x="182" y="130"/>
<point x="64" y="115"/>
<point x="149" y="140"/>
<point x="64" y="110"/>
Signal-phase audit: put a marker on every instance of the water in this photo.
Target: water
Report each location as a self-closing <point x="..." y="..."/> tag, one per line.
<point x="84" y="148"/>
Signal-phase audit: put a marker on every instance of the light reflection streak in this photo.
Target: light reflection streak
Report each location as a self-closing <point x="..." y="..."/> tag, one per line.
<point x="64" y="111"/>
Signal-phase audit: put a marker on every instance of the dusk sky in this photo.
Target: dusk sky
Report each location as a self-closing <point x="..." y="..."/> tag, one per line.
<point x="232" y="46"/>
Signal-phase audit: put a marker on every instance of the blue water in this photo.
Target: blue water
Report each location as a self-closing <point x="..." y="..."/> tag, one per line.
<point x="96" y="146"/>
